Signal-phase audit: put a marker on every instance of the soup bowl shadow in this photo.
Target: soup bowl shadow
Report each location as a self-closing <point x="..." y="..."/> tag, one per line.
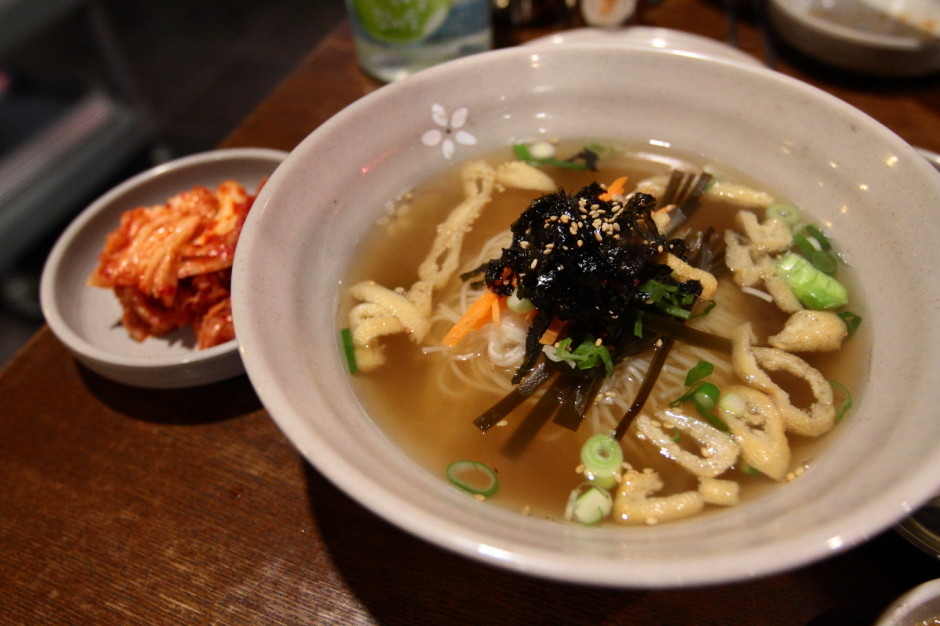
<point x="873" y="192"/>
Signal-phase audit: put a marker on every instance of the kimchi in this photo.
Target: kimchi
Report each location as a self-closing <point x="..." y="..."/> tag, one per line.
<point x="170" y="265"/>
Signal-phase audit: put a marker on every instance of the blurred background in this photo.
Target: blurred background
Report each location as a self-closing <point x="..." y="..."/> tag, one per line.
<point x="95" y="91"/>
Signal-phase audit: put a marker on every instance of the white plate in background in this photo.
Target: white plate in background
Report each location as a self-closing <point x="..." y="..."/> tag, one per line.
<point x="649" y="37"/>
<point x="853" y="35"/>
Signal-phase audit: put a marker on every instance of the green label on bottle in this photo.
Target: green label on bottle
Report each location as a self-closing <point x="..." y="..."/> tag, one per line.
<point x="401" y="21"/>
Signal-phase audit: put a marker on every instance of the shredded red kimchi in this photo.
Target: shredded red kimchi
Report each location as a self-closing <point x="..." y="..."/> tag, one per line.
<point x="170" y="265"/>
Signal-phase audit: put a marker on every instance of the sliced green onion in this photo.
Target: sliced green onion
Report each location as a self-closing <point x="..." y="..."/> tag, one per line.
<point x="733" y="403"/>
<point x="824" y="262"/>
<point x="667" y="298"/>
<point x="586" y="355"/>
<point x="851" y="321"/>
<point x="473" y="477"/>
<point x="803" y="245"/>
<point x="638" y="324"/>
<point x="786" y="213"/>
<point x="704" y="398"/>
<point x="711" y="304"/>
<point x="523" y="153"/>
<point x="518" y="305"/>
<point x="815" y="289"/>
<point x="817" y="255"/>
<point x="705" y="395"/>
<point x="820" y="237"/>
<point x="349" y="350"/>
<point x="846" y="402"/>
<point x="701" y="370"/>
<point x="589" y="504"/>
<point x="602" y="458"/>
<point x="750" y="470"/>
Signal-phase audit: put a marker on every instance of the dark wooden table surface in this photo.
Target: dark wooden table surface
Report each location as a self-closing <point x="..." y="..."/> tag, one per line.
<point x="122" y="505"/>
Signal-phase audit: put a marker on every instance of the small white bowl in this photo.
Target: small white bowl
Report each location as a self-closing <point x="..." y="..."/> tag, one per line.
<point x="849" y="35"/>
<point x="648" y="37"/>
<point x="920" y="605"/>
<point x="87" y="319"/>
<point x="875" y="194"/>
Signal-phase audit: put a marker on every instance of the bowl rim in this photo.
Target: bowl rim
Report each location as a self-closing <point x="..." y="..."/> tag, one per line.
<point x="362" y="486"/>
<point x="50" y="302"/>
<point x="847" y="34"/>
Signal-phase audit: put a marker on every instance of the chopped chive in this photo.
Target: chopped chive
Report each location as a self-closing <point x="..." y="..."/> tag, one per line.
<point x="846" y="402"/>
<point x="473" y="477"/>
<point x="851" y="321"/>
<point x="349" y="350"/>
<point x="708" y="309"/>
<point x="823" y="261"/>
<point x="750" y="470"/>
<point x="522" y="152"/>
<point x="586" y="355"/>
<point x="706" y="395"/>
<point x="602" y="457"/>
<point x="638" y="325"/>
<point x="588" y="504"/>
<point x="820" y="237"/>
<point x="803" y="245"/>
<point x="701" y="370"/>
<point x="786" y="213"/>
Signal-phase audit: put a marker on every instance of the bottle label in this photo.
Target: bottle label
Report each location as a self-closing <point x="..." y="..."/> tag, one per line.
<point x="400" y="21"/>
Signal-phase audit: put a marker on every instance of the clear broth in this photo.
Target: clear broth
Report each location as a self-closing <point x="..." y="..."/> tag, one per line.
<point x="434" y="425"/>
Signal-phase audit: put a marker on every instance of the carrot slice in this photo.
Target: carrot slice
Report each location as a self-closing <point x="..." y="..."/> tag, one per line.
<point x="477" y="314"/>
<point x="614" y="189"/>
<point x="551" y="333"/>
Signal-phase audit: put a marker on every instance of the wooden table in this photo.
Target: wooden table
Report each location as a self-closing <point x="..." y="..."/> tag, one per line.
<point x="123" y="505"/>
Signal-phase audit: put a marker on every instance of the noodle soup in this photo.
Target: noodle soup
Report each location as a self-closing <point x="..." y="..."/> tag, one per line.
<point x="426" y="395"/>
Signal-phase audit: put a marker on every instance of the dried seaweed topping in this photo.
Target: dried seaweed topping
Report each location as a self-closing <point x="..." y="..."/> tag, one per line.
<point x="584" y="261"/>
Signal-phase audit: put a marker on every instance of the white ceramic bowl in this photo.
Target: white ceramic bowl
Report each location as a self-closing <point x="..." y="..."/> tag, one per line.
<point x="875" y="193"/>
<point x="857" y="35"/>
<point x="919" y="606"/>
<point x="87" y="319"/>
<point x="648" y="37"/>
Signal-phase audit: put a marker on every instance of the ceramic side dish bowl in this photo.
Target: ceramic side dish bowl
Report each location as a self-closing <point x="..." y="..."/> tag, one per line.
<point x="87" y="319"/>
<point x="874" y="192"/>
<point x="919" y="606"/>
<point x="877" y="37"/>
<point x="648" y="37"/>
